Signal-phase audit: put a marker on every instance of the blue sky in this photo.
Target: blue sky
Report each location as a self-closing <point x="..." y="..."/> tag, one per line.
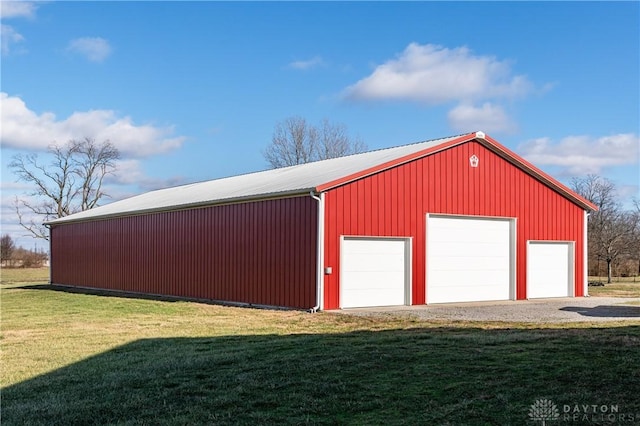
<point x="192" y="91"/>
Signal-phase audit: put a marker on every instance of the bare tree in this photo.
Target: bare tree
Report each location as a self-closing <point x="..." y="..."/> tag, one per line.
<point x="7" y="246"/>
<point x="334" y="141"/>
<point x="295" y="141"/>
<point x="634" y="239"/>
<point x="94" y="162"/>
<point x="71" y="182"/>
<point x="609" y="228"/>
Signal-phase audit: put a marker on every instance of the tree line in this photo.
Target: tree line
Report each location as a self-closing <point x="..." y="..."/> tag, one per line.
<point x="613" y="231"/>
<point x="296" y="141"/>
<point x="18" y="257"/>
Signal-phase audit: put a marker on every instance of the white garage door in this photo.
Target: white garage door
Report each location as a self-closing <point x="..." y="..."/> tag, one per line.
<point x="374" y="272"/>
<point x="468" y="259"/>
<point x="549" y="269"/>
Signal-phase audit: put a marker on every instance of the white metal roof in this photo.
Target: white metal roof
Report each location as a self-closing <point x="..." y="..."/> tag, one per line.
<point x="275" y="182"/>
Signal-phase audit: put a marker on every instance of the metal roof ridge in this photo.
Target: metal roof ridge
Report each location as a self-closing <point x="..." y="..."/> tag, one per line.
<point x="294" y="166"/>
<point x="447" y="142"/>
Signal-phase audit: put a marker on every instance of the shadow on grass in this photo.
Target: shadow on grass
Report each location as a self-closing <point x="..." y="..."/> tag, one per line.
<point x="414" y="376"/>
<point x="139" y="296"/>
<point x="100" y="292"/>
<point x="606" y="311"/>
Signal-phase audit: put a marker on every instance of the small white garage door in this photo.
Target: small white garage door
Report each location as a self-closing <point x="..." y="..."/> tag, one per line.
<point x="468" y="259"/>
<point x="549" y="269"/>
<point x="374" y="272"/>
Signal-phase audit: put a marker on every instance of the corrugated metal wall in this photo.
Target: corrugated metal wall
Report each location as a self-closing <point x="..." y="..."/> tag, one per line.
<point x="395" y="203"/>
<point x="259" y="252"/>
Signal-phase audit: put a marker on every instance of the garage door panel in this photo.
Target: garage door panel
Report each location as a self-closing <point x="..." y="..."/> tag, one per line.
<point x="368" y="297"/>
<point x="357" y="280"/>
<point x="548" y="266"/>
<point x="454" y="279"/>
<point x="378" y="246"/>
<point x="475" y="263"/>
<point x="470" y="293"/>
<point x="373" y="272"/>
<point x="465" y="228"/>
<point x="375" y="262"/>
<point x="466" y="249"/>
<point x="478" y="235"/>
<point x="468" y="259"/>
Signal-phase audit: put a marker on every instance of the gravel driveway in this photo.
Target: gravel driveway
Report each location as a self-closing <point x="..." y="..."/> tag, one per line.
<point x="542" y="310"/>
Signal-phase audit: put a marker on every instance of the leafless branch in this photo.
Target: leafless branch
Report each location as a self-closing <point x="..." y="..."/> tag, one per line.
<point x="71" y="182"/>
<point x="295" y="142"/>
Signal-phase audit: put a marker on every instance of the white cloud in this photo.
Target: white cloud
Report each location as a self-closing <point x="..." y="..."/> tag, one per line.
<point x="17" y="9"/>
<point x="314" y="62"/>
<point x="489" y="118"/>
<point x="580" y="155"/>
<point x="23" y="128"/>
<point x="434" y="74"/>
<point x="130" y="173"/>
<point x="9" y="37"/>
<point x="8" y="34"/>
<point x="95" y="49"/>
<point x="13" y="186"/>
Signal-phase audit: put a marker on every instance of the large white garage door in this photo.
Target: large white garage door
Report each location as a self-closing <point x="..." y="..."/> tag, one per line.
<point x="549" y="269"/>
<point x="468" y="259"/>
<point x="374" y="272"/>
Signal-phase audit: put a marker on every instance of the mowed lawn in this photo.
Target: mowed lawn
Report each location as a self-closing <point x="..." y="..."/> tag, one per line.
<point x="76" y="359"/>
<point x="619" y="287"/>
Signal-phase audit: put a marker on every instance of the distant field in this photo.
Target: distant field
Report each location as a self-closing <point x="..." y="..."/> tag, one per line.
<point x="620" y="287"/>
<point x="24" y="275"/>
<point x="75" y="359"/>
<point x="616" y="279"/>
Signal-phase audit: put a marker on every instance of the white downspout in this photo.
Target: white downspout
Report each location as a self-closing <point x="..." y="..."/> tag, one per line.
<point x="50" y="242"/>
<point x="585" y="253"/>
<point x="320" y="255"/>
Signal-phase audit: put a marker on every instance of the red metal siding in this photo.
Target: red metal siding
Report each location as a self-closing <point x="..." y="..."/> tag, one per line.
<point x="259" y="253"/>
<point x="395" y="203"/>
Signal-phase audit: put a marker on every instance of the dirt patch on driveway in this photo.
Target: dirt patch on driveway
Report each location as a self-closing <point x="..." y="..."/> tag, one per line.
<point x="541" y="310"/>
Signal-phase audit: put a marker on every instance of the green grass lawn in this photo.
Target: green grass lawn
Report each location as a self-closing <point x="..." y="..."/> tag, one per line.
<point x="619" y="287"/>
<point x="76" y="359"/>
<point x="12" y="276"/>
